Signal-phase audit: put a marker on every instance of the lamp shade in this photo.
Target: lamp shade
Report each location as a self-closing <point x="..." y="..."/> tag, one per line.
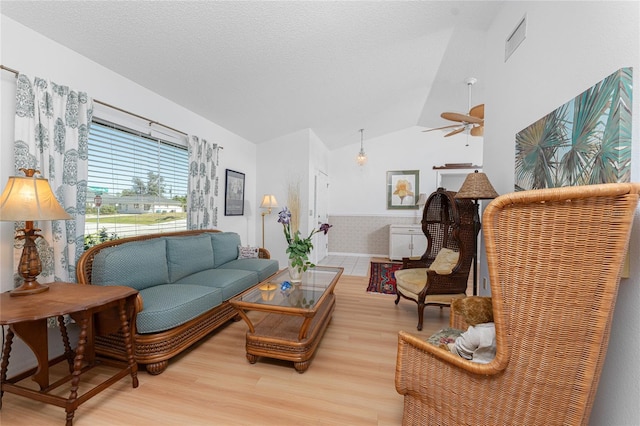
<point x="269" y="201"/>
<point x="476" y="186"/>
<point x="30" y="198"/>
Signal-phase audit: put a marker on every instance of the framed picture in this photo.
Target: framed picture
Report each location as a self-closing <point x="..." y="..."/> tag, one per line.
<point x="234" y="193"/>
<point x="585" y="141"/>
<point x="403" y="188"/>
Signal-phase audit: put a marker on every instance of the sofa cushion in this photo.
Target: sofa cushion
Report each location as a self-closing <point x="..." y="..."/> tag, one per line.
<point x="230" y="281"/>
<point x="188" y="255"/>
<point x="138" y="264"/>
<point x="225" y="247"/>
<point x="263" y="267"/>
<point x="170" y="305"/>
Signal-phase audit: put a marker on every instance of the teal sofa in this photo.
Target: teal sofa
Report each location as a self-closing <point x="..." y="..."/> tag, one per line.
<point x="184" y="279"/>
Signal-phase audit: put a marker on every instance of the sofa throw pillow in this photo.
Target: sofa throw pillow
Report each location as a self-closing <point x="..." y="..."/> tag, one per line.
<point x="247" y="252"/>
<point x="445" y="261"/>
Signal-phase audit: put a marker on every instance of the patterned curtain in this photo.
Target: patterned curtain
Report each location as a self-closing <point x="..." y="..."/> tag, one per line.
<point x="202" y="212"/>
<point x="51" y="134"/>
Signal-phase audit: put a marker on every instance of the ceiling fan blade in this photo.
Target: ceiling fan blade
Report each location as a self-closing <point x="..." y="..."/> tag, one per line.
<point x="477" y="111"/>
<point x="440" y="128"/>
<point x="462" y="118"/>
<point x="477" y="131"/>
<point x="455" y="132"/>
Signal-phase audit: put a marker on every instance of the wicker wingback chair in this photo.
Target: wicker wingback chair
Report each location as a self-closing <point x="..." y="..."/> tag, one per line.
<point x="555" y="258"/>
<point x="448" y="223"/>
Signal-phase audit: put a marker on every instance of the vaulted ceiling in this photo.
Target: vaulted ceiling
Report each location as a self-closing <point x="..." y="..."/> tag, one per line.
<point x="264" y="69"/>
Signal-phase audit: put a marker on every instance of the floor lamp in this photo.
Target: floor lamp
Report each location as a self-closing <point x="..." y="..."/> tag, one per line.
<point x="476" y="186"/>
<point x="268" y="202"/>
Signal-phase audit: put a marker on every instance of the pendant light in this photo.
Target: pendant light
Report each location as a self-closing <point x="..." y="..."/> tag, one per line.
<point x="362" y="157"/>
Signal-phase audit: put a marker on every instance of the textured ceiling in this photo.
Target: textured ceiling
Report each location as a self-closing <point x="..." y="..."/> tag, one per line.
<point x="266" y="69"/>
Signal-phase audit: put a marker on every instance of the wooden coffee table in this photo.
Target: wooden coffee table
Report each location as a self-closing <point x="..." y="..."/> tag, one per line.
<point x="296" y="318"/>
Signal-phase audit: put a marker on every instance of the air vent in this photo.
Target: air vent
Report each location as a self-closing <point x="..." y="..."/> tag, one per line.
<point x="516" y="37"/>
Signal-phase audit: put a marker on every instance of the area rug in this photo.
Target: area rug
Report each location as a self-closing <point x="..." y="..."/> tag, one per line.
<point x="382" y="278"/>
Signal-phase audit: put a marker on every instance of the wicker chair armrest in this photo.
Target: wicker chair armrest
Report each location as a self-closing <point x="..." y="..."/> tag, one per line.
<point x="413" y="262"/>
<point x="446" y="284"/>
<point x="425" y="370"/>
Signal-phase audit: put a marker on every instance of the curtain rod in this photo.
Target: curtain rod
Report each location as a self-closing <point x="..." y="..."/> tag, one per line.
<point x="16" y="72"/>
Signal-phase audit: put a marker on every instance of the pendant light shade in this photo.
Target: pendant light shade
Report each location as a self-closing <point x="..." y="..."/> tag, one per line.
<point x="362" y="157"/>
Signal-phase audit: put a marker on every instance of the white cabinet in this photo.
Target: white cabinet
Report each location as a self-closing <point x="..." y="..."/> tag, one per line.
<point x="406" y="241"/>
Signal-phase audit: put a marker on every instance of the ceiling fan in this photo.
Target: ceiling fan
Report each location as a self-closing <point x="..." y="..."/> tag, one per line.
<point x="473" y="121"/>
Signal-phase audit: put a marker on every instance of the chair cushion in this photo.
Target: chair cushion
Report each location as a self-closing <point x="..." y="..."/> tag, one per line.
<point x="410" y="282"/>
<point x="230" y="281"/>
<point x="188" y="255"/>
<point x="138" y="264"/>
<point x="445" y="261"/>
<point x="225" y="247"/>
<point x="263" y="267"/>
<point x="169" y="305"/>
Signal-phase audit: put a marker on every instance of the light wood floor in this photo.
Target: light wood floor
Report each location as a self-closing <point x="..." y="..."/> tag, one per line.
<point x="349" y="382"/>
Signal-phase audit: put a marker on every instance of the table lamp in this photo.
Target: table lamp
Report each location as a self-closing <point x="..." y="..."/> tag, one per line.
<point x="29" y="198"/>
<point x="476" y="186"/>
<point x="268" y="202"/>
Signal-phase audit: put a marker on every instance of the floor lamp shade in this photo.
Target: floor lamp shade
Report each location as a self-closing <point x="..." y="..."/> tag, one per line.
<point x="268" y="202"/>
<point x="476" y="186"/>
<point x="29" y="199"/>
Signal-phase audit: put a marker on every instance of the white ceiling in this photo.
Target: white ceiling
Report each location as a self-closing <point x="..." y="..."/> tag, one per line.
<point x="264" y="69"/>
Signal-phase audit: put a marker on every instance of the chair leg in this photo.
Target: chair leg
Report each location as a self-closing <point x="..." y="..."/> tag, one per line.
<point x="420" y="315"/>
<point x="397" y="298"/>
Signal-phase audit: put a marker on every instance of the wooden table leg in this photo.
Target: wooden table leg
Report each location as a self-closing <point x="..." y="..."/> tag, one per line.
<point x="34" y="335"/>
<point x="77" y="369"/>
<point x="5" y="361"/>
<point x="128" y="341"/>
<point x="68" y="353"/>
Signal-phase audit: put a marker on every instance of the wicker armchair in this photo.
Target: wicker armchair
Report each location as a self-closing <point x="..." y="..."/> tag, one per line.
<point x="553" y="289"/>
<point x="447" y="223"/>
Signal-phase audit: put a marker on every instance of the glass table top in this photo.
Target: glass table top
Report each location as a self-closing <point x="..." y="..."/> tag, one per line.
<point x="278" y="290"/>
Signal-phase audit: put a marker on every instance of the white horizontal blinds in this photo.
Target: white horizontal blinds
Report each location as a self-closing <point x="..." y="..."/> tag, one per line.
<point x="142" y="182"/>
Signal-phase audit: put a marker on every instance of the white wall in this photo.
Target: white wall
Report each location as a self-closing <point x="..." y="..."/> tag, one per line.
<point x="361" y="190"/>
<point x="570" y="46"/>
<point x="282" y="160"/>
<point x="30" y="53"/>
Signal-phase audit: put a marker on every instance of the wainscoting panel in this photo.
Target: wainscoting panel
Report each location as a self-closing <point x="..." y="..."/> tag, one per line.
<point x="366" y="235"/>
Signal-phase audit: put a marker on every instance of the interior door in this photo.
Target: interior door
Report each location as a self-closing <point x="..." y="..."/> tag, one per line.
<point x="321" y="212"/>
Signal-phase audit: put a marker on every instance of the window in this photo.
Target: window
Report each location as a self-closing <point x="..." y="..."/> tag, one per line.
<point x="140" y="183"/>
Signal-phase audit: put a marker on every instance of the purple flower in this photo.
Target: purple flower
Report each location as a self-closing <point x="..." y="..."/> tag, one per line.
<point x="325" y="228"/>
<point x="284" y="217"/>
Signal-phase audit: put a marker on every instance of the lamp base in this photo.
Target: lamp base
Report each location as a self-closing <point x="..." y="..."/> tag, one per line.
<point x="29" y="288"/>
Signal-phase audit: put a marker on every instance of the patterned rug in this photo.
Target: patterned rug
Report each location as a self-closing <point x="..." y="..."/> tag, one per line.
<point x="382" y="278"/>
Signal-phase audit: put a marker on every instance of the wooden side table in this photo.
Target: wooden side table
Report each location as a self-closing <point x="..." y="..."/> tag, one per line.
<point x="96" y="309"/>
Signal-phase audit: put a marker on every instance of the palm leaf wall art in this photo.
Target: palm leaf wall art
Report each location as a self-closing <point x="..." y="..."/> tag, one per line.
<point x="585" y="141"/>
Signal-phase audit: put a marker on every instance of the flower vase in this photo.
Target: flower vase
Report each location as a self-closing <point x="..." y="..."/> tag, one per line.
<point x="295" y="274"/>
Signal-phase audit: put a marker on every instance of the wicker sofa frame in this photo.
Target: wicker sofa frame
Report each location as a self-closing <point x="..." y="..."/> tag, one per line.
<point x="153" y="350"/>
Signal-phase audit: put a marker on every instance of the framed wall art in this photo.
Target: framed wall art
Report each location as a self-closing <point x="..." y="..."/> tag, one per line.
<point x="234" y="193"/>
<point x="583" y="142"/>
<point x="403" y="186"/>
